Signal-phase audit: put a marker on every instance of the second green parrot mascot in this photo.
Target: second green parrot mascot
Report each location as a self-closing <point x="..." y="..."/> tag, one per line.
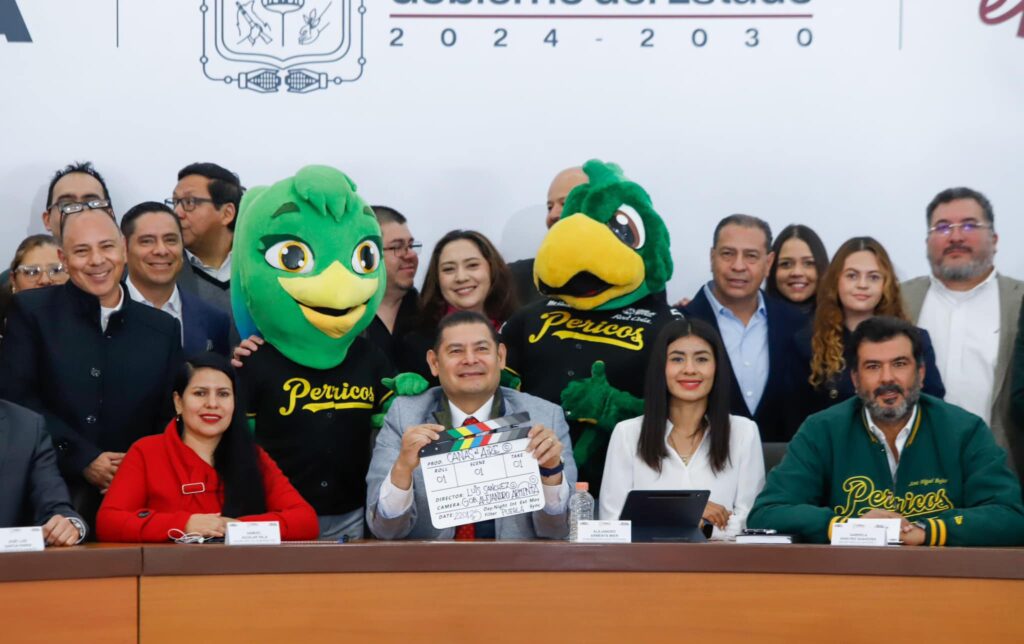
<point x="604" y="266"/>
<point x="307" y="276"/>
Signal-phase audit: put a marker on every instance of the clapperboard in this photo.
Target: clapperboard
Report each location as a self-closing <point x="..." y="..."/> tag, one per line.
<point x="480" y="472"/>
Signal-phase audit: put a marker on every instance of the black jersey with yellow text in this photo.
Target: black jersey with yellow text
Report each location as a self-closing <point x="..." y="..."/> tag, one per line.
<point x="550" y="344"/>
<point x="316" y="423"/>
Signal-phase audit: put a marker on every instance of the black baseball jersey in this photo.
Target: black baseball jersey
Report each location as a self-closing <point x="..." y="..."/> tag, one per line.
<point x="315" y="423"/>
<point x="550" y="344"/>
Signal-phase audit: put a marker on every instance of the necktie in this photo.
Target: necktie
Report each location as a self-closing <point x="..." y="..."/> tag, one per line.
<point x="466" y="532"/>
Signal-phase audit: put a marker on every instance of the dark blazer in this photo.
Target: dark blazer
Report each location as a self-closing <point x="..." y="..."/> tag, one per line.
<point x="33" y="490"/>
<point x="774" y="422"/>
<point x="206" y="327"/>
<point x="809" y="400"/>
<point x="99" y="391"/>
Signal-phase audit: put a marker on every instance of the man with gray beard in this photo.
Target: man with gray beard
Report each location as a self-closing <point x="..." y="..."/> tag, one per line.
<point x="970" y="311"/>
<point x="893" y="452"/>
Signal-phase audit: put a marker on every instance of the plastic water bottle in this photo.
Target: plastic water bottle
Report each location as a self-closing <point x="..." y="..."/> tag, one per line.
<point x="581" y="508"/>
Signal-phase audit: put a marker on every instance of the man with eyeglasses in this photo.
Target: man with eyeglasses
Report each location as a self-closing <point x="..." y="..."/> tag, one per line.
<point x="969" y="309"/>
<point x="397" y="311"/>
<point x="75" y="183"/>
<point x="206" y="199"/>
<point x="98" y="366"/>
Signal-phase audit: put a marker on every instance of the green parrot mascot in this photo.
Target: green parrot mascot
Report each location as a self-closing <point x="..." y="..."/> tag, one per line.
<point x="604" y="266"/>
<point x="307" y="276"/>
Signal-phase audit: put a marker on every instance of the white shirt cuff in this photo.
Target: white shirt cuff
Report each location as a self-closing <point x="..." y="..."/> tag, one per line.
<point x="556" y="497"/>
<point x="393" y="502"/>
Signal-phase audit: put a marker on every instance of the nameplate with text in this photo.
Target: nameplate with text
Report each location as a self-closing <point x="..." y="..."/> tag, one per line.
<point x="846" y="534"/>
<point x="891" y="526"/>
<point x="605" y="532"/>
<point x="28" y="539"/>
<point x="253" y="533"/>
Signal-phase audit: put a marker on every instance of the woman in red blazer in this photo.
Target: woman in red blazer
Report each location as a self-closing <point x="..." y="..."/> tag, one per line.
<point x="202" y="471"/>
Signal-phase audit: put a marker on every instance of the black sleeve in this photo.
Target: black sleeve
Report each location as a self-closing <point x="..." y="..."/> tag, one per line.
<point x="21" y="381"/>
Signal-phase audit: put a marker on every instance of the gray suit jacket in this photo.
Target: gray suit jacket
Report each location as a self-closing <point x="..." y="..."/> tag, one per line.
<point x="407" y="411"/>
<point x="1010" y="293"/>
<point x="32" y="487"/>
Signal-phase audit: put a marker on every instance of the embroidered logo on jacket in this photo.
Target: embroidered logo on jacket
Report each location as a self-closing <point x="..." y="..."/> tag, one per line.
<point x="862" y="496"/>
<point x="624" y="336"/>
<point x="326" y="397"/>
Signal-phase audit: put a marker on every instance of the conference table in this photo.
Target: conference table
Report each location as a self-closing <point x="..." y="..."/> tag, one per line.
<point x="372" y="591"/>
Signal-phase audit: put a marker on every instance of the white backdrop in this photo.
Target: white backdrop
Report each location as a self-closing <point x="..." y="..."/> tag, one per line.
<point x="890" y="102"/>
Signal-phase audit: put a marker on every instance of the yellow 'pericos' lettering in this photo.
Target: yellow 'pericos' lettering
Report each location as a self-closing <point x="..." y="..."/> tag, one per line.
<point x="620" y="335"/>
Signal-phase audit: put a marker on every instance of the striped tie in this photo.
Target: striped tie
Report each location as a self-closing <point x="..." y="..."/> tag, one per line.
<point x="466" y="532"/>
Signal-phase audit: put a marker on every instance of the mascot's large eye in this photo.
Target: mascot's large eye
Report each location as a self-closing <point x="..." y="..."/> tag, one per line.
<point x="366" y="257"/>
<point x="290" y="255"/>
<point x="628" y="226"/>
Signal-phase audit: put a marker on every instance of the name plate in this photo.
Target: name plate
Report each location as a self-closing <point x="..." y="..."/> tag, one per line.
<point x="605" y="532"/>
<point x="253" y="533"/>
<point x="28" y="539"/>
<point x="891" y="526"/>
<point x="847" y="534"/>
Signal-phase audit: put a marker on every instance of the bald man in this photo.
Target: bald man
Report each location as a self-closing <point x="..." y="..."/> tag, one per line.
<point x="97" y="365"/>
<point x="522" y="270"/>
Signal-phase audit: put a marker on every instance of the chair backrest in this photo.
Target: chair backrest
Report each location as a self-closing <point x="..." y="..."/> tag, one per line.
<point x="773" y="453"/>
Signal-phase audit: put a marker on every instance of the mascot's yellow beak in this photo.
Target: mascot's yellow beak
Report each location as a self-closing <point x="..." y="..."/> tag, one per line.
<point x="584" y="264"/>
<point x="332" y="301"/>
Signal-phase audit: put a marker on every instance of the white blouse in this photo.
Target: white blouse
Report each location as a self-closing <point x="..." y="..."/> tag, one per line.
<point x="734" y="488"/>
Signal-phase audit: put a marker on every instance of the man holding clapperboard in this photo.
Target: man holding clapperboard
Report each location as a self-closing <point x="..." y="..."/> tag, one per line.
<point x="470" y="459"/>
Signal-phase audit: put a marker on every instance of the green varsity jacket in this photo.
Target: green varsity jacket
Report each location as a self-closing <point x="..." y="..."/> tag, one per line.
<point x="951" y="476"/>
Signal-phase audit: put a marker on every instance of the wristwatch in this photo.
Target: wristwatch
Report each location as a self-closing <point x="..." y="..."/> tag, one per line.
<point x="80" y="526"/>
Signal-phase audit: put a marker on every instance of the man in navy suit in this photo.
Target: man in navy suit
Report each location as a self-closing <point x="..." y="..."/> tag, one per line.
<point x="155" y="258"/>
<point x="756" y="329"/>
<point x="33" y="491"/>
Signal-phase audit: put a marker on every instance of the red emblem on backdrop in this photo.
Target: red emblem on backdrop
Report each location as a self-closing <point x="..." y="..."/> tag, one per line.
<point x="996" y="12"/>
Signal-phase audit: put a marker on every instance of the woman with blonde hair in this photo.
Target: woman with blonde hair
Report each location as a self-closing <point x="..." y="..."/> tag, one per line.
<point x="859" y="284"/>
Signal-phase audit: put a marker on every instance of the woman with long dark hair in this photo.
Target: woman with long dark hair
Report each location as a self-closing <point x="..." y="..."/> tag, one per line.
<point x="202" y="471"/>
<point x="686" y="439"/>
<point x="800" y="261"/>
<point x="466" y="273"/>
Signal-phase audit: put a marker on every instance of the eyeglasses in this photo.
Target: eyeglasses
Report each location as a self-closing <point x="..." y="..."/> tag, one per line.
<point x="188" y="204"/>
<point x="402" y="249"/>
<point x="71" y="207"/>
<point x="35" y="271"/>
<point x="966" y="227"/>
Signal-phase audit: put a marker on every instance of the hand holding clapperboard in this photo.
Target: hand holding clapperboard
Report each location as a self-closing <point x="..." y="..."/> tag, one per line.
<point x="480" y="472"/>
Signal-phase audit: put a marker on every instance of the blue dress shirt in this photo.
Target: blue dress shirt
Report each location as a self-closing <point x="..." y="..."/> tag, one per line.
<point x="747" y="346"/>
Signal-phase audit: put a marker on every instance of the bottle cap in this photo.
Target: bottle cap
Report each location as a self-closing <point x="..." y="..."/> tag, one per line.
<point x="582" y="486"/>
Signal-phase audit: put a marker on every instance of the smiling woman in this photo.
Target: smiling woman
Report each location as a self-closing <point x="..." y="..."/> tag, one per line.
<point x="800" y="261"/>
<point x="466" y="273"/>
<point x="686" y="439"/>
<point x="202" y="471"/>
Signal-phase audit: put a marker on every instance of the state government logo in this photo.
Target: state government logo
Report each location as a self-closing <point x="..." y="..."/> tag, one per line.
<point x="302" y="45"/>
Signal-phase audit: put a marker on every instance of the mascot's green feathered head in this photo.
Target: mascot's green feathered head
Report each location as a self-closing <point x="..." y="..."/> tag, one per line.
<point x="609" y="249"/>
<point x="306" y="270"/>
